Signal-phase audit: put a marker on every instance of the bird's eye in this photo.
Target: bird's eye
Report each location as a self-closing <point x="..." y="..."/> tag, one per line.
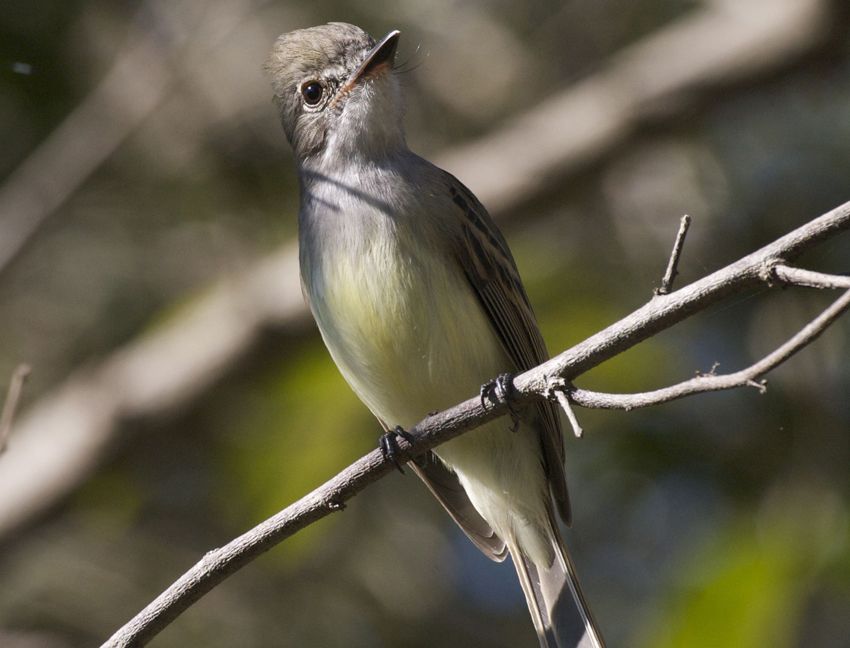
<point x="312" y="92"/>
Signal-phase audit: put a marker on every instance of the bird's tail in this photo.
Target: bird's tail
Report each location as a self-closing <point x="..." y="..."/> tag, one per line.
<point x="557" y="604"/>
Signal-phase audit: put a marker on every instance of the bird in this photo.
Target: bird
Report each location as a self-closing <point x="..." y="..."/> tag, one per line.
<point x="419" y="301"/>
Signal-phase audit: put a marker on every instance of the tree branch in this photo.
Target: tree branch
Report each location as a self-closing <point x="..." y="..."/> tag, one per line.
<point x="711" y="382"/>
<point x="665" y="310"/>
<point x="660" y="313"/>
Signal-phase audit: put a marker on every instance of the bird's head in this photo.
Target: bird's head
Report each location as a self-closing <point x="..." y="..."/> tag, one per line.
<point x="336" y="92"/>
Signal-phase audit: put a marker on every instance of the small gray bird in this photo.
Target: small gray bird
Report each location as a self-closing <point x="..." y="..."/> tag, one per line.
<point x="419" y="302"/>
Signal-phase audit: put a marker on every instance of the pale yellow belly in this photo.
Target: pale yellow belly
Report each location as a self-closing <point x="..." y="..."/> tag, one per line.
<point x="408" y="337"/>
<point x="412" y="338"/>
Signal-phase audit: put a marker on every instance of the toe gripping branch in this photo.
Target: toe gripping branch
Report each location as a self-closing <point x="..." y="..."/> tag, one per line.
<point x="501" y="390"/>
<point x="388" y="443"/>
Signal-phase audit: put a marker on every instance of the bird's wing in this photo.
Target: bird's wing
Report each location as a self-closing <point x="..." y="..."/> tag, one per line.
<point x="444" y="485"/>
<point x="486" y="260"/>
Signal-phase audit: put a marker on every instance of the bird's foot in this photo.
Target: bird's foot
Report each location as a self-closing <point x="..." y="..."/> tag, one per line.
<point x="388" y="442"/>
<point x="501" y="390"/>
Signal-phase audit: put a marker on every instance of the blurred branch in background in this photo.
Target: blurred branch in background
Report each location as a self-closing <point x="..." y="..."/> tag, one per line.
<point x="161" y="40"/>
<point x="660" y="313"/>
<point x="723" y="43"/>
<point x="63" y="436"/>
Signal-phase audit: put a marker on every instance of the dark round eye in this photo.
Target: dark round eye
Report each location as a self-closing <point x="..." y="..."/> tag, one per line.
<point x="312" y="92"/>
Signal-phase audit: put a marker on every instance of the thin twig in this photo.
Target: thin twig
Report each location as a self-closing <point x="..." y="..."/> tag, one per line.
<point x="673" y="264"/>
<point x="561" y="390"/>
<point x="564" y="401"/>
<point x="809" y="278"/>
<point x="710" y="382"/>
<point x="7" y="418"/>
<point x="662" y="312"/>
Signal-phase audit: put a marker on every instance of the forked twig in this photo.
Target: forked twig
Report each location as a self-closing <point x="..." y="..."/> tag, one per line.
<point x="748" y="377"/>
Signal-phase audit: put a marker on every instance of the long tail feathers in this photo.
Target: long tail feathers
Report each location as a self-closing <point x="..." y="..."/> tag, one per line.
<point x="558" y="608"/>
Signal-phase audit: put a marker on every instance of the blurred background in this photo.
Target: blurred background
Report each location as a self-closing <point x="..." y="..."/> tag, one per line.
<point x="180" y="394"/>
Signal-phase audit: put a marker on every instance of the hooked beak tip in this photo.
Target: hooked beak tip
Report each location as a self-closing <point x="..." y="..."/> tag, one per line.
<point x="381" y="54"/>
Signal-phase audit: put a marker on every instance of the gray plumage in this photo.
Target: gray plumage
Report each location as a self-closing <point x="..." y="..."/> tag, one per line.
<point x="419" y="302"/>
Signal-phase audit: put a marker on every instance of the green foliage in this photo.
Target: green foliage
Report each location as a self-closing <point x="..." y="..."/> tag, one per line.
<point x="749" y="584"/>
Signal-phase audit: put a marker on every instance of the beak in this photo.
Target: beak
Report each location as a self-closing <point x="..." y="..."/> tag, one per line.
<point x="381" y="54"/>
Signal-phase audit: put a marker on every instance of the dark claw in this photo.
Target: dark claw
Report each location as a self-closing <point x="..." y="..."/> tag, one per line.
<point x="501" y="390"/>
<point x="504" y="387"/>
<point x="485" y="392"/>
<point x="497" y="390"/>
<point x="389" y="444"/>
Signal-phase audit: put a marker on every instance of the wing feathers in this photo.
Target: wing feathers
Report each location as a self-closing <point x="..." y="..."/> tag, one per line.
<point x="447" y="489"/>
<point x="486" y="260"/>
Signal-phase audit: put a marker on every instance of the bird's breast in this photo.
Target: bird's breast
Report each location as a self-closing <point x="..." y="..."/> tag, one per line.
<point x="402" y="324"/>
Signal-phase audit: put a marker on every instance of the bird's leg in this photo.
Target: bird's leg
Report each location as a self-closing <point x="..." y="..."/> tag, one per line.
<point x="388" y="443"/>
<point x="501" y="390"/>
